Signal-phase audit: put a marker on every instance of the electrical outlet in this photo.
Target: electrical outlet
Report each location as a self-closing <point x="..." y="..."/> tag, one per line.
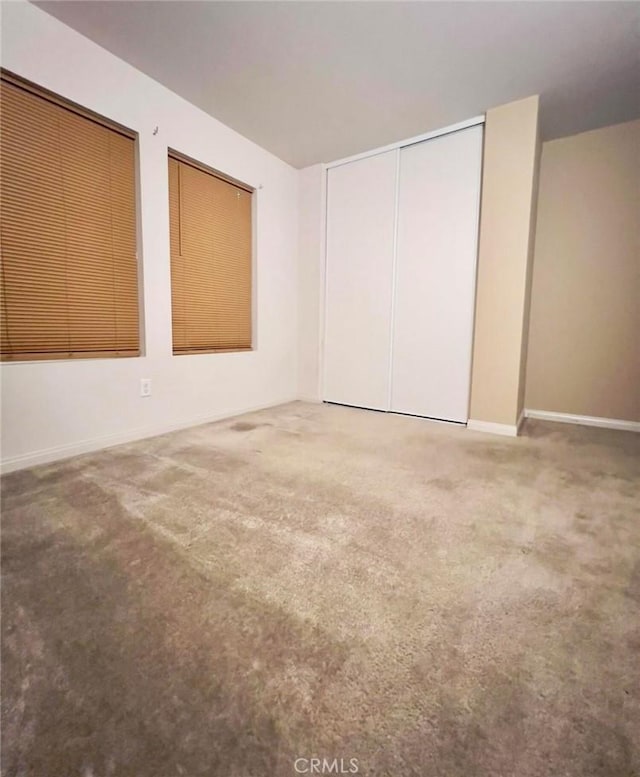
<point x="145" y="387"/>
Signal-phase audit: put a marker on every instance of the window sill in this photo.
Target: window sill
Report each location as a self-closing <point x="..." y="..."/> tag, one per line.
<point x="204" y="351"/>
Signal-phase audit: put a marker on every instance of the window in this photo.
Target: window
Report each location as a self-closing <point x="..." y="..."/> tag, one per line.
<point x="69" y="280"/>
<point x="210" y="222"/>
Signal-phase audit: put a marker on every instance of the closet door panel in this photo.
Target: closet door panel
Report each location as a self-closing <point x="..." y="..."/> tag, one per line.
<point x="360" y="247"/>
<point x="438" y="209"/>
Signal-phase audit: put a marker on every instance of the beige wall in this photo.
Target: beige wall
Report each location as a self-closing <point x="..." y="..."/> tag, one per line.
<point x="506" y="237"/>
<point x="529" y="282"/>
<point x="584" y="345"/>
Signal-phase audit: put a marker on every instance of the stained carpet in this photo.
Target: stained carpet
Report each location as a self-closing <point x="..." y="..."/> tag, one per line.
<point x="323" y="582"/>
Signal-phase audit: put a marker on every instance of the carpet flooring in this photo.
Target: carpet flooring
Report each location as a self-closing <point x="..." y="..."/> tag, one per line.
<point x="395" y="596"/>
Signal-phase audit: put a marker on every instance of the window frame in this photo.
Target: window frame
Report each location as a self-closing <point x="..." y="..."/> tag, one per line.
<point x="83" y="112"/>
<point x="183" y="158"/>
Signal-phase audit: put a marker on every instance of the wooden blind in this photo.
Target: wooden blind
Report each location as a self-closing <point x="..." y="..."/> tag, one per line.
<point x="69" y="280"/>
<point x="210" y="222"/>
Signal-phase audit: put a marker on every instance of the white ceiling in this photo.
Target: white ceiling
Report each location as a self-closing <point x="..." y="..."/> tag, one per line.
<point x="316" y="81"/>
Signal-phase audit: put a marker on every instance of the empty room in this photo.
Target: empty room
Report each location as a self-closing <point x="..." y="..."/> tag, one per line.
<point x="320" y="387"/>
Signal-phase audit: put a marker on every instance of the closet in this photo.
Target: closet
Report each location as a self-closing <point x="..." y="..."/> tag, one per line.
<point x="402" y="229"/>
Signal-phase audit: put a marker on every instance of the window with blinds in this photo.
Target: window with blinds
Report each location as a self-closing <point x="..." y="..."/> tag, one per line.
<point x="210" y="225"/>
<point x="69" y="276"/>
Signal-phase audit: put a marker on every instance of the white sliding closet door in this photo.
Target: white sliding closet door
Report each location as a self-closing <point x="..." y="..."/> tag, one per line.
<point x="438" y="208"/>
<point x="360" y="250"/>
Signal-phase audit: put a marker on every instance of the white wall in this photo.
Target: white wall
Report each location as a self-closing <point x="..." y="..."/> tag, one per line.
<point x="311" y="243"/>
<point x="52" y="409"/>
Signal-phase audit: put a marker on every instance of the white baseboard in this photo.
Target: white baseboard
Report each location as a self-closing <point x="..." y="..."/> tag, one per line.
<point x="506" y="430"/>
<point x="48" y="455"/>
<point x="583" y="420"/>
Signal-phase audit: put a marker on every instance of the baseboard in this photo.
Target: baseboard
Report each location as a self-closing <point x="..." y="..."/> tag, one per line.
<point x="48" y="455"/>
<point x="583" y="420"/>
<point x="506" y="430"/>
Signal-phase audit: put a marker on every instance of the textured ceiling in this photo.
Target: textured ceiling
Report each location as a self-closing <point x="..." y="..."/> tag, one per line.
<point x="316" y="81"/>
